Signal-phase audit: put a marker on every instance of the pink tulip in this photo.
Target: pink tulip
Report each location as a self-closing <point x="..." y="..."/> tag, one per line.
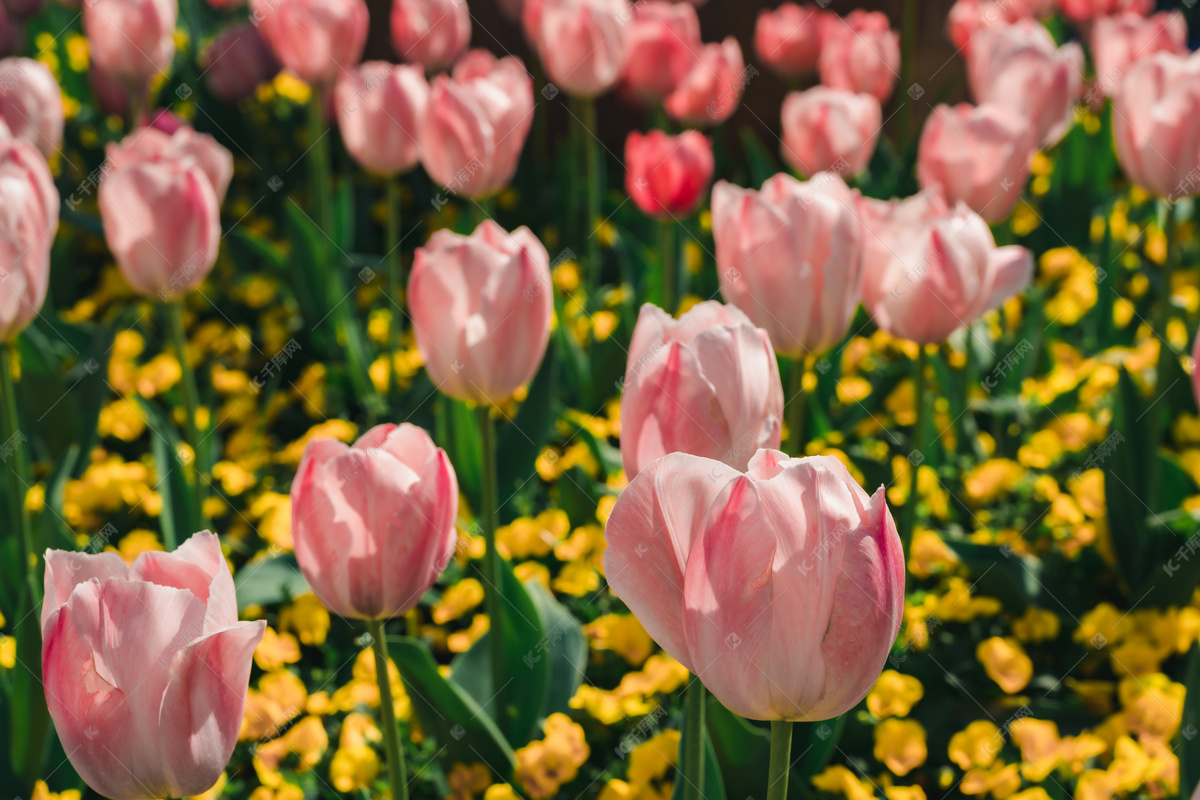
<point x="712" y="90"/>
<point x="706" y="384"/>
<point x="667" y="175"/>
<point x="236" y="63"/>
<point x="790" y="257"/>
<point x="481" y="309"/>
<point x="146" y="667"/>
<point x="476" y="124"/>
<point x="31" y="103"/>
<point x="431" y="33"/>
<point x="1087" y="10"/>
<point x="1018" y="66"/>
<point x="12" y="35"/>
<point x="860" y="53"/>
<point x="968" y="16"/>
<point x="781" y="588"/>
<point x="1156" y="124"/>
<point x="380" y="110"/>
<point x="830" y="130"/>
<point x="373" y="524"/>
<point x="1119" y="42"/>
<point x="789" y="38"/>
<point x="583" y="44"/>
<point x="663" y="46"/>
<point x="316" y="39"/>
<point x="153" y="143"/>
<point x="27" y="227"/>
<point x="133" y="40"/>
<point x="977" y="154"/>
<point x="931" y="269"/>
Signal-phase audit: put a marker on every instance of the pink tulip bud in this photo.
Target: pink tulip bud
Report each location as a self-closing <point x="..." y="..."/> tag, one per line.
<point x="931" y="269"/>
<point x="132" y="40"/>
<point x="860" y="53"/>
<point x="481" y="309"/>
<point x="667" y="175"/>
<point x="169" y="138"/>
<point x="968" y="16"/>
<point x="705" y="384"/>
<point x="373" y="524"/>
<point x="236" y="63"/>
<point x="380" y="110"/>
<point x="789" y="38"/>
<point x="1156" y="113"/>
<point x="663" y="47"/>
<point x="31" y="103"/>
<point x="27" y="227"/>
<point x="1087" y="10"/>
<point x="431" y="33"/>
<point x="790" y="257"/>
<point x="476" y="124"/>
<point x="1017" y="66"/>
<point x="1119" y="42"/>
<point x="977" y="154"/>
<point x="782" y="588"/>
<point x="583" y="44"/>
<point x="316" y="39"/>
<point x="830" y="130"/>
<point x="712" y="90"/>
<point x="146" y="667"/>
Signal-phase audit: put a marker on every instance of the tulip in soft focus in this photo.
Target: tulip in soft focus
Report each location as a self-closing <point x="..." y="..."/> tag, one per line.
<point x="790" y="257"/>
<point x="583" y="44"/>
<point x="1086" y="10"/>
<point x="380" y="110"/>
<point x="788" y="39"/>
<point x="12" y="35"/>
<point x="781" y="588"/>
<point x="28" y="223"/>
<point x="931" y="268"/>
<point x="110" y="93"/>
<point x="712" y="90"/>
<point x="860" y="53"/>
<point x="373" y="523"/>
<point x="705" y="384"/>
<point x="481" y="309"/>
<point x="476" y="123"/>
<point x="236" y="62"/>
<point x="1018" y="66"/>
<point x="1156" y="117"/>
<point x="830" y="130"/>
<point x="22" y="9"/>
<point x="316" y="39"/>
<point x="132" y="40"/>
<point x="667" y="175"/>
<point x="431" y="33"/>
<point x="663" y="46"/>
<point x="977" y="154"/>
<point x="169" y="138"/>
<point x="146" y="667"/>
<point x="31" y="103"/>
<point x="968" y="16"/>
<point x="1121" y="41"/>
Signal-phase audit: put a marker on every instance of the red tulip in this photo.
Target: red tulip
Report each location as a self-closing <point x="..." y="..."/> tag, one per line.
<point x="860" y="53"/>
<point x="380" y="110"/>
<point x="132" y="40"/>
<point x="667" y="175"/>
<point x="1119" y="42"/>
<point x="705" y="384"/>
<point x="316" y="39"/>
<point x="583" y="44"/>
<point x="931" y="269"/>
<point x="830" y="130"/>
<point x="27" y="227"/>
<point x="790" y="257"/>
<point x="789" y="38"/>
<point x="146" y="667"/>
<point x="1156" y="124"/>
<point x="373" y="524"/>
<point x="31" y="103"/>
<point x="236" y="62"/>
<point x="481" y="309"/>
<point x="782" y="588"/>
<point x="663" y="47"/>
<point x="1086" y="10"/>
<point x="431" y="33"/>
<point x="712" y="90"/>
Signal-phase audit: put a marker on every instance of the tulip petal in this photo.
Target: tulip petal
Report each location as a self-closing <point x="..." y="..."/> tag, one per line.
<point x="319" y="538"/>
<point x="419" y="536"/>
<point x="198" y="566"/>
<point x="65" y="570"/>
<point x="1010" y="269"/>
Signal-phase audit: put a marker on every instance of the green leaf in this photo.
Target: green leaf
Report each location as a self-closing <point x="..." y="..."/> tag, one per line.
<point x="462" y="444"/>
<point x="179" y="516"/>
<point x="568" y="649"/>
<point x="1189" y="744"/>
<point x="30" y="720"/>
<point x="521" y="441"/>
<point x="714" y="785"/>
<point x="823" y="738"/>
<point x="1013" y="579"/>
<point x="267" y="581"/>
<point x="761" y="163"/>
<point x="1125" y="477"/>
<point x="741" y="748"/>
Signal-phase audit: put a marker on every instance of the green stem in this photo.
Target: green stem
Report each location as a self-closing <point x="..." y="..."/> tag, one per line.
<point x="18" y="473"/>
<point x="594" y="192"/>
<point x="693" y="759"/>
<point x="908" y="517"/>
<point x="320" y="179"/>
<point x="797" y="407"/>
<point x="191" y="404"/>
<point x="1162" y="413"/>
<point x="781" y="759"/>
<point x="666" y="246"/>
<point x="395" y="272"/>
<point x="482" y="209"/>
<point x="491" y="558"/>
<point x="397" y="772"/>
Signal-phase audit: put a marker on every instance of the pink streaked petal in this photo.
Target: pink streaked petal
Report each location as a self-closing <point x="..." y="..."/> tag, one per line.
<point x="198" y="566"/>
<point x="66" y="570"/>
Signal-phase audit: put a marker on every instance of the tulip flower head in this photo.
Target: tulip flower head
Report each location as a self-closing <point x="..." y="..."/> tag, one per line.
<point x="431" y="33"/>
<point x="1156" y="113"/>
<point x="381" y="110"/>
<point x="583" y="44"/>
<point x="860" y="53"/>
<point x="712" y="90"/>
<point x="667" y="176"/>
<point x="789" y="38"/>
<point x="132" y="40"/>
<point x="830" y="130"/>
<point x="27" y="227"/>
<point x="663" y="46"/>
<point x="315" y="39"/>
<point x="31" y="103"/>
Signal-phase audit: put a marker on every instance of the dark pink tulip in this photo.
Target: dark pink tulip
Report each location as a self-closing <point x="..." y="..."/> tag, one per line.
<point x="830" y="130"/>
<point x="931" y="268"/>
<point x="706" y="384"/>
<point x="373" y="524"/>
<point x="1121" y="41"/>
<point x="12" y="35"/>
<point x="146" y="667"/>
<point x="712" y="90"/>
<point x="380" y="110"/>
<point x="583" y="44"/>
<point x="132" y="40"/>
<point x="31" y="103"/>
<point x="111" y="94"/>
<point x="860" y="53"/>
<point x="788" y="39"/>
<point x="481" y="309"/>
<point x="431" y="33"/>
<point x="236" y="62"/>
<point x="22" y="9"/>
<point x="667" y="175"/>
<point x="1088" y="10"/>
<point x="781" y="588"/>
<point x="1156" y="124"/>
<point x="27" y="227"/>
<point x="476" y="124"/>
<point x="663" y="46"/>
<point x="316" y="39"/>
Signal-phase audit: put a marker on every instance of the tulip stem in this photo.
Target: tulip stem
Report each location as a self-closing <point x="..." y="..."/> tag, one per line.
<point x="395" y="272"/>
<point x="18" y="474"/>
<point x="191" y="405"/>
<point x="591" y="146"/>
<point x="666" y="244"/>
<point x="916" y="456"/>
<point x="397" y="772"/>
<point x="781" y="759"/>
<point x="693" y="737"/>
<point x="320" y="180"/>
<point x="1165" y="351"/>
<point x="491" y="559"/>
<point x="797" y="408"/>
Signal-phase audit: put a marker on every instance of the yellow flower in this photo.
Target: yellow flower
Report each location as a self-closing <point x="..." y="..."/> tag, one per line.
<point x="1153" y="705"/>
<point x="534" y="537"/>
<point x="1001" y="781"/>
<point x="1005" y="662"/>
<point x="929" y="555"/>
<point x="1094" y="784"/>
<point x="340" y="429"/>
<point x="136" y="542"/>
<point x="235" y="478"/>
<point x="1129" y="765"/>
<point x="121" y="419"/>
<point x="622" y="633"/>
<point x="8" y="651"/>
<point x="976" y="745"/>
<point x="534" y="571"/>
<point x="992" y="479"/>
<point x="500" y="791"/>
<point x="286" y="690"/>
<point x="461" y="641"/>
<point x="275" y="650"/>
<point x="1039" y="743"/>
<point x="904" y="793"/>
<point x="468" y="781"/>
<point x="1044" y="449"/>
<point x="42" y="792"/>
<point x="837" y="779"/>
<point x="894" y="694"/>
<point x="307" y="618"/>
<point x="1032" y="793"/>
<point x="353" y="768"/>
<point x="274" y="514"/>
<point x="652" y="758"/>
<point x="307" y="740"/>
<point x="900" y="744"/>
<point x="577" y="578"/>
<point x="1104" y="625"/>
<point x="1036" y="625"/>
<point x="158" y="375"/>
<point x="544" y="766"/>
<point x="458" y="600"/>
